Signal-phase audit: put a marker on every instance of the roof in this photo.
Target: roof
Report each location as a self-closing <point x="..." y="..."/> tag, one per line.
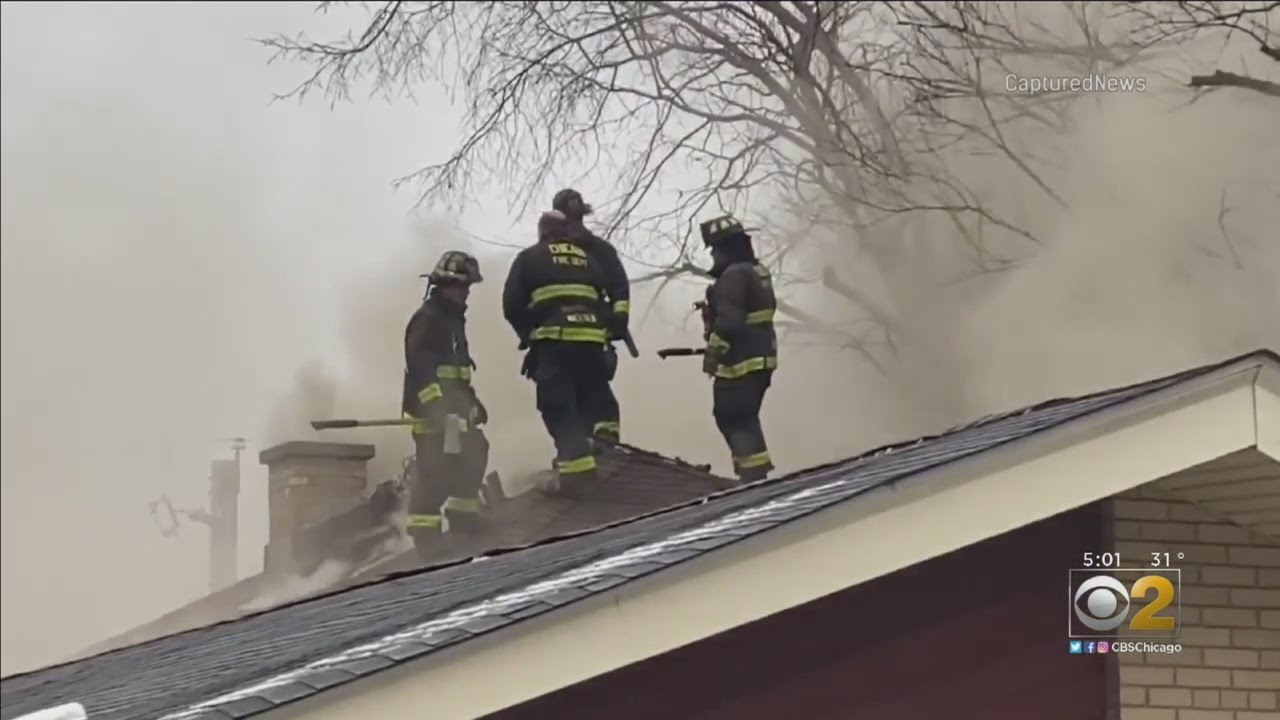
<point x="257" y="663"/>
<point x="637" y="482"/>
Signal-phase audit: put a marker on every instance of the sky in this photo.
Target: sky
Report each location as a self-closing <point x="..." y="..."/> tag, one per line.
<point x="184" y="261"/>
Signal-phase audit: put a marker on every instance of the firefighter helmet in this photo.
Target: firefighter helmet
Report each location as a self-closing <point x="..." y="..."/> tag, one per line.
<point x="720" y="229"/>
<point x="455" y="266"/>
<point x="570" y="202"/>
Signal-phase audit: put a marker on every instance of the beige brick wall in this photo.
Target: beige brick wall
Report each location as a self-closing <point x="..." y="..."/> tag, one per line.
<point x="1229" y="667"/>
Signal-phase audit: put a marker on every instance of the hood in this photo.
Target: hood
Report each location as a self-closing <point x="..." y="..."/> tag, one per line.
<point x="554" y="225"/>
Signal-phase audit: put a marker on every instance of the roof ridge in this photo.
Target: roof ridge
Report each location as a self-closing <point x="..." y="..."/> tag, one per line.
<point x="668" y="459"/>
<point x="1042" y="405"/>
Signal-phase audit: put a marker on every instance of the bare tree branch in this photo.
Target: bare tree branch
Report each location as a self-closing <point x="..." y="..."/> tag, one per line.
<point x="859" y="122"/>
<point x="1222" y="78"/>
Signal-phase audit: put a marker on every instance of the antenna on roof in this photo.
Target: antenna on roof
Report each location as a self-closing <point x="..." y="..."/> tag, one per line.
<point x="221" y="516"/>
<point x="70" y="711"/>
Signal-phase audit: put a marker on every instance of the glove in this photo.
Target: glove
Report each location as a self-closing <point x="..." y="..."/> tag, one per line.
<point x="617" y="326"/>
<point x="708" y="320"/>
<point x="710" y="363"/>
<point x="479" y="413"/>
<point x="530" y="364"/>
<point x="610" y="362"/>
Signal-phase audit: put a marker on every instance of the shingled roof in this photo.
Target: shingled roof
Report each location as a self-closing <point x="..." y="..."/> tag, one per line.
<point x="258" y="663"/>
<point x="634" y="482"/>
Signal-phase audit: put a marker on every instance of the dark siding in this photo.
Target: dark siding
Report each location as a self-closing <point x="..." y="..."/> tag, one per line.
<point x="977" y="633"/>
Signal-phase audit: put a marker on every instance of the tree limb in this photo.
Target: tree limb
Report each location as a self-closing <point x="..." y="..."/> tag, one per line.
<point x="1222" y="78"/>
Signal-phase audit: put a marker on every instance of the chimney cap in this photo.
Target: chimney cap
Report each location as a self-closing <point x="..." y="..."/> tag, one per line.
<point x="309" y="448"/>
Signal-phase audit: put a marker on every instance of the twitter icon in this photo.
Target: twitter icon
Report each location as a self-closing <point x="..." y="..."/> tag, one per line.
<point x="1073" y="647"/>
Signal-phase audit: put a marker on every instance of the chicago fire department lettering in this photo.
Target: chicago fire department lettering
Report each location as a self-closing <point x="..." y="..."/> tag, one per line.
<point x="568" y="254"/>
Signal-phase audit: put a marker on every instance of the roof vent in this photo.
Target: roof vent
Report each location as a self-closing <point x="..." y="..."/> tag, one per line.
<point x="70" y="711"/>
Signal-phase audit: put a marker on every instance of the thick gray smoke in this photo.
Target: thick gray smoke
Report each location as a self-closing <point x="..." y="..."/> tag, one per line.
<point x="1163" y="256"/>
<point x="173" y="250"/>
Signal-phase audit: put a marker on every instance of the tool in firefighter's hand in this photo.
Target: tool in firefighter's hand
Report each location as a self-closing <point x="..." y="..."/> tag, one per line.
<point x="631" y="344"/>
<point x="452" y="434"/>
<point x="703" y="308"/>
<point x="346" y="424"/>
<point x="528" y="366"/>
<point x="680" y="352"/>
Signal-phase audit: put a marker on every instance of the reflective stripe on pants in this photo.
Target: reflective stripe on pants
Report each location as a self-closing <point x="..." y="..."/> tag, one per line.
<point x="421" y="521"/>
<point x="755" y="460"/>
<point x="607" y="430"/>
<point x="461" y="505"/>
<point x="577" y="466"/>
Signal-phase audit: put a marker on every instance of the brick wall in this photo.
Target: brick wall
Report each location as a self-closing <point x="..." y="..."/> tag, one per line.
<point x="309" y="482"/>
<point x="1229" y="667"/>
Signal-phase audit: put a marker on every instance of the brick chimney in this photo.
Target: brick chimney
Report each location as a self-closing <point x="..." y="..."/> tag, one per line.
<point x="309" y="482"/>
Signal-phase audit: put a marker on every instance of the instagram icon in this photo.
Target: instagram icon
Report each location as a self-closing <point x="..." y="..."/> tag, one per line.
<point x="1104" y="647"/>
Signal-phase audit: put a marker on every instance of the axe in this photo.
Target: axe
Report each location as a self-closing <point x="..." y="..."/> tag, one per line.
<point x="680" y="352"/>
<point x="344" y="424"/>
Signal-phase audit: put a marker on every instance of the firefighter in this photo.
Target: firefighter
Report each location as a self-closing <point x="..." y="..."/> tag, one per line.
<point x="742" y="347"/>
<point x="556" y="300"/>
<point x="606" y="428"/>
<point x="451" y="453"/>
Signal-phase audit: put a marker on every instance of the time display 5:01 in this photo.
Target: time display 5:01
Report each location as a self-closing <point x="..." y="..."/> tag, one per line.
<point x="1101" y="559"/>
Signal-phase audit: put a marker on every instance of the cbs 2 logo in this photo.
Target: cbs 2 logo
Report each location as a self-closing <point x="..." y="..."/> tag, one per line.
<point x="1106" y="602"/>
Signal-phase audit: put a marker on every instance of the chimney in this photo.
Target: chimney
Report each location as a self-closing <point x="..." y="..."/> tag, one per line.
<point x="309" y="482"/>
<point x="224" y="521"/>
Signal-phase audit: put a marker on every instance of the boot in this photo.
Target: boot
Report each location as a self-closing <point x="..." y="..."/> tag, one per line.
<point x="464" y="523"/>
<point x="577" y="485"/>
<point x="427" y="543"/>
<point x="465" y="535"/>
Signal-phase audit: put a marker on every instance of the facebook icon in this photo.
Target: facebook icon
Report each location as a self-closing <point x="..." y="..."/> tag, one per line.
<point x="1090" y="647"/>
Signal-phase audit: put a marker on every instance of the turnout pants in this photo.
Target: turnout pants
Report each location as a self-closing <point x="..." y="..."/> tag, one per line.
<point x="445" y="492"/>
<point x="736" y="406"/>
<point x="577" y="406"/>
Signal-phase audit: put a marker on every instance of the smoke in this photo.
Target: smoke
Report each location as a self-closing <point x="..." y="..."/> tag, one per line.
<point x="1166" y="258"/>
<point x="312" y="396"/>
<point x="171" y="247"/>
<point x="294" y="588"/>
<point x="1161" y="256"/>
